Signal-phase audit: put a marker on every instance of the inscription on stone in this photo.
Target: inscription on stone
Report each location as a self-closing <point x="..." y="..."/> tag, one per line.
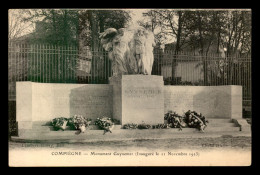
<point x="142" y="92"/>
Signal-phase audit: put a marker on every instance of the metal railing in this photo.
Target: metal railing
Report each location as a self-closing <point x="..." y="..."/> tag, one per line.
<point x="68" y="64"/>
<point x="205" y="70"/>
<point x="55" y="64"/>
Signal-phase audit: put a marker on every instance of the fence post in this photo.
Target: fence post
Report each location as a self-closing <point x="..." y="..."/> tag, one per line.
<point x="205" y="69"/>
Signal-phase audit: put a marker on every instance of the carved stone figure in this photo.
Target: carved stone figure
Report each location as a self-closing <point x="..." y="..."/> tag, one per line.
<point x="130" y="49"/>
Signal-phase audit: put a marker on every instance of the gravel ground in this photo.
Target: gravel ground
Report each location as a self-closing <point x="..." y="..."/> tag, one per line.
<point x="224" y="142"/>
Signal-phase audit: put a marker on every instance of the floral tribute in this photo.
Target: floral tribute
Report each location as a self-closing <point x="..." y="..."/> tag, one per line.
<point x="130" y="126"/>
<point x="190" y="119"/>
<point x="196" y="120"/>
<point x="59" y="123"/>
<point x="105" y="123"/>
<point x="174" y="120"/>
<point x="79" y="122"/>
<point x="76" y="122"/>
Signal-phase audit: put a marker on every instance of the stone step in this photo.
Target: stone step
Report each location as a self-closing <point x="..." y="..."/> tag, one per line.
<point x="219" y="120"/>
<point x="225" y="128"/>
<point x="98" y="133"/>
<point x="123" y="134"/>
<point x="118" y="127"/>
<point x="50" y="128"/>
<point x="246" y="129"/>
<point x="41" y="123"/>
<point x="221" y="124"/>
<point x="212" y="122"/>
<point x="42" y="128"/>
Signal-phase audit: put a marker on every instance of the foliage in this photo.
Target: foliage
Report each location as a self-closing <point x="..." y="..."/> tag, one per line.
<point x="93" y="22"/>
<point x="63" y="26"/>
<point x="202" y="29"/>
<point x="195" y="120"/>
<point x="130" y="126"/>
<point x="12" y="128"/>
<point x="160" y="126"/>
<point x="105" y="123"/>
<point x="76" y="122"/>
<point x="173" y="120"/>
<point x="16" y="26"/>
<point x="59" y="123"/>
<point x="144" y="126"/>
<point x="54" y="26"/>
<point x="12" y="124"/>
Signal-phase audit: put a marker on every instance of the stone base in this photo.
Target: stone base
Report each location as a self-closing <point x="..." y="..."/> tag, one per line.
<point x="138" y="98"/>
<point x="211" y="101"/>
<point x="45" y="101"/>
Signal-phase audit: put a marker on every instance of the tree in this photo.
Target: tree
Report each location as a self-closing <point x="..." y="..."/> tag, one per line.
<point x="153" y="23"/>
<point x="54" y="26"/>
<point x="206" y="31"/>
<point x="170" y="24"/>
<point x="16" y="26"/>
<point x="93" y="22"/>
<point x="238" y="32"/>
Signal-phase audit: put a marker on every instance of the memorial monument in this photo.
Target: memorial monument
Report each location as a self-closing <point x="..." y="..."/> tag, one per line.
<point x="137" y="95"/>
<point x="130" y="49"/>
<point x="133" y="95"/>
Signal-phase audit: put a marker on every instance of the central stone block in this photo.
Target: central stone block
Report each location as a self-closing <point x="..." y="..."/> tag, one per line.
<point x="138" y="98"/>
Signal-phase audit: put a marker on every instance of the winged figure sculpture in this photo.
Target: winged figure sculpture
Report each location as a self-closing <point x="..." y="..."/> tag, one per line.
<point x="130" y="49"/>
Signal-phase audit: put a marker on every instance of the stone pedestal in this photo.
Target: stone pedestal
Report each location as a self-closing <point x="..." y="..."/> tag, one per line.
<point x="138" y="98"/>
<point x="128" y="98"/>
<point x="211" y="101"/>
<point x="36" y="102"/>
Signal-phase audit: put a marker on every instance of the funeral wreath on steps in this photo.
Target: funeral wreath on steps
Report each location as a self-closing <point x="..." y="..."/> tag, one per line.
<point x="76" y="122"/>
<point x="130" y="50"/>
<point x="105" y="123"/>
<point x="190" y="119"/>
<point x="174" y="120"/>
<point x="80" y="123"/>
<point x="196" y="120"/>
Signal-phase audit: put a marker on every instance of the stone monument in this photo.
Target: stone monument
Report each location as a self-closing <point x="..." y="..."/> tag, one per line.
<point x="133" y="95"/>
<point x="137" y="95"/>
<point x="130" y="49"/>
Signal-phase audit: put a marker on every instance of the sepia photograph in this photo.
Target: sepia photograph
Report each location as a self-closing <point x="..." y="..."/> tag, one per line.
<point x="129" y="87"/>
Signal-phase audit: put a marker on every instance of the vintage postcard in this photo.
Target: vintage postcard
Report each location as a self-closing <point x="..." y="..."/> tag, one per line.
<point x="129" y="87"/>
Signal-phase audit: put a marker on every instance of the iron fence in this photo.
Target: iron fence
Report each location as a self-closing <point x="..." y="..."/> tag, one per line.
<point x="205" y="70"/>
<point x="55" y="64"/>
<point x="68" y="64"/>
